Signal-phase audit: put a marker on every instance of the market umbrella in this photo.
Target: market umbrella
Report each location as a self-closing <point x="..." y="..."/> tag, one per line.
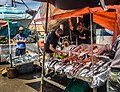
<point x="13" y="29"/>
<point x="14" y="14"/>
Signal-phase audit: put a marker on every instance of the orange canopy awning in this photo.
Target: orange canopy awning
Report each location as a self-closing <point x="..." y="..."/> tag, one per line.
<point x="107" y="19"/>
<point x="101" y="17"/>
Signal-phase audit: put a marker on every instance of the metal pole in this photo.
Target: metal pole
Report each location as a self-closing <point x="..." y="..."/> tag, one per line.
<point x="12" y="2"/>
<point x="76" y="40"/>
<point x="94" y="89"/>
<point x="91" y="36"/>
<point x="37" y="39"/>
<point x="10" y="53"/>
<point x="91" y="30"/>
<point x="91" y="41"/>
<point x="46" y="24"/>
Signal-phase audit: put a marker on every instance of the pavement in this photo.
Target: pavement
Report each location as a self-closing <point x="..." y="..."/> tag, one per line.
<point x="17" y="84"/>
<point x="24" y="82"/>
<point x="29" y="82"/>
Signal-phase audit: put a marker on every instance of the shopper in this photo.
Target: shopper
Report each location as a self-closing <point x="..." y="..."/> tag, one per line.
<point x="52" y="42"/>
<point x="113" y="82"/>
<point x="20" y="39"/>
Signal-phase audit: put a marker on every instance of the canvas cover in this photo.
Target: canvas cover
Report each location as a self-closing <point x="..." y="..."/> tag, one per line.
<point x="3" y="23"/>
<point x="13" y="29"/>
<point x="52" y="11"/>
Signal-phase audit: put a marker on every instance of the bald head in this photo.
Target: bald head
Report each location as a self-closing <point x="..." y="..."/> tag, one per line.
<point x="21" y="29"/>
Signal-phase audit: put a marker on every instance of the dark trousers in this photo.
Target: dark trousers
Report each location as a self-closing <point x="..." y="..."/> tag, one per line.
<point x="20" y="52"/>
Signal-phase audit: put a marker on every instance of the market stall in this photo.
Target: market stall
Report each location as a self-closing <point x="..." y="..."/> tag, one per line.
<point x="7" y="32"/>
<point x="24" y="64"/>
<point x="98" y="15"/>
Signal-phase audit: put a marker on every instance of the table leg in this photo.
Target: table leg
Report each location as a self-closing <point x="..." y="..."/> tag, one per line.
<point x="94" y="89"/>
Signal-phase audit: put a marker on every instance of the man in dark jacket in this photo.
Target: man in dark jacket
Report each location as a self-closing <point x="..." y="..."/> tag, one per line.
<point x="52" y="41"/>
<point x="83" y="34"/>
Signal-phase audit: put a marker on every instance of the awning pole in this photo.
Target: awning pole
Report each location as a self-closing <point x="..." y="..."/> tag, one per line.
<point x="91" y="38"/>
<point x="10" y="53"/>
<point x="12" y="3"/>
<point x="91" y="32"/>
<point x="46" y="23"/>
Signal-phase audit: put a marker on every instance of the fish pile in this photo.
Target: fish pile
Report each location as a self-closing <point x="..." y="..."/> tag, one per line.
<point x="26" y="58"/>
<point x="85" y="61"/>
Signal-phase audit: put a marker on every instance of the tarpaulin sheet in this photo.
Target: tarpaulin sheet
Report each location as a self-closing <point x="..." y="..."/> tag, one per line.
<point x="3" y="23"/>
<point x="13" y="30"/>
<point x="107" y="19"/>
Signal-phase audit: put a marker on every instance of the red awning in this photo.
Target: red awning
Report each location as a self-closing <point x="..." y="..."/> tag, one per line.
<point x="3" y="23"/>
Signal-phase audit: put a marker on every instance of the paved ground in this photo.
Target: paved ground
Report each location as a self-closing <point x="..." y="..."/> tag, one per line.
<point x="18" y="84"/>
<point x="13" y="85"/>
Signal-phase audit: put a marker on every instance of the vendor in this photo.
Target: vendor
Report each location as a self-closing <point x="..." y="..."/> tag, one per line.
<point x="52" y="42"/>
<point x="83" y="34"/>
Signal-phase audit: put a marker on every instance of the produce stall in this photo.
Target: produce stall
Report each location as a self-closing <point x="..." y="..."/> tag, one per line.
<point x="78" y="63"/>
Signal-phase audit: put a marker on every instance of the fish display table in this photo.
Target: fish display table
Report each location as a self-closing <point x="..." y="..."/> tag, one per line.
<point x="80" y="65"/>
<point x="24" y="63"/>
